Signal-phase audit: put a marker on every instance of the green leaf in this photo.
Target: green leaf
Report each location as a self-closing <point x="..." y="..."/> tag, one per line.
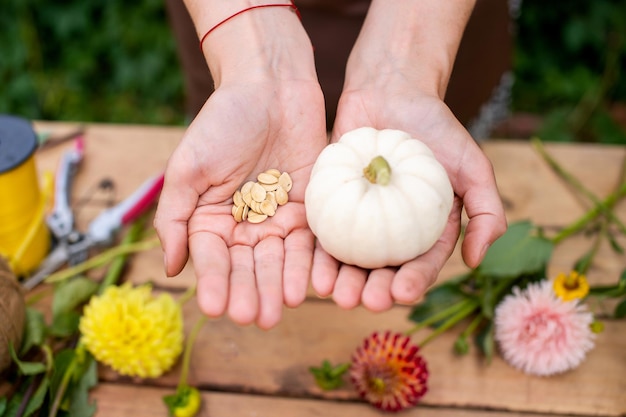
<point x="329" y="377"/>
<point x="620" y="310"/>
<point x="71" y="293"/>
<point x="62" y="361"/>
<point x="4" y="402"/>
<point x="34" y="330"/>
<point x="88" y="378"/>
<point x="519" y="251"/>
<point x="27" y="368"/>
<point x="617" y="290"/>
<point x="584" y="262"/>
<point x="461" y="347"/>
<point x="617" y="248"/>
<point x="36" y="401"/>
<point x="485" y="341"/>
<point x="487" y="304"/>
<point x="13" y="405"/>
<point x="65" y="324"/>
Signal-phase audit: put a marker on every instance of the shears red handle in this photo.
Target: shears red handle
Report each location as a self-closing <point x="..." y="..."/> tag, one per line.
<point x="102" y="229"/>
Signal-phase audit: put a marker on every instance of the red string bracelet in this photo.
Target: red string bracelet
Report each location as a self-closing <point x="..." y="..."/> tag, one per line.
<point x="260" y="6"/>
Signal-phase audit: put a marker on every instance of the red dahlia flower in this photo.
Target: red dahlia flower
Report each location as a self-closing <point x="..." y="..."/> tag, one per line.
<point x="388" y="371"/>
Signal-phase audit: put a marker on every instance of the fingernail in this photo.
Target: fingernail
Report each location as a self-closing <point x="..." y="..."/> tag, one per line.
<point x="165" y="264"/>
<point x="484" y="251"/>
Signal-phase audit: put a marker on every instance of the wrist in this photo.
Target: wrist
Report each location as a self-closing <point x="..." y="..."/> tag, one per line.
<point x="245" y="39"/>
<point x="418" y="49"/>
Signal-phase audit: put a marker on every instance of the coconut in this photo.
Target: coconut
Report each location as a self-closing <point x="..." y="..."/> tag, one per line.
<point x="12" y="313"/>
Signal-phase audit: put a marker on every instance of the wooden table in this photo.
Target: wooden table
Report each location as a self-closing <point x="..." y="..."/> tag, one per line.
<point x="244" y="371"/>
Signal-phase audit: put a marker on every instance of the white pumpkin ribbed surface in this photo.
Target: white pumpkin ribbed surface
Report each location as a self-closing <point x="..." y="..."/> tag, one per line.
<point x="372" y="225"/>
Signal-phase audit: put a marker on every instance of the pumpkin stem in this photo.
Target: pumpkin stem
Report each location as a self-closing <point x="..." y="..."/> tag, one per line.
<point x="378" y="171"/>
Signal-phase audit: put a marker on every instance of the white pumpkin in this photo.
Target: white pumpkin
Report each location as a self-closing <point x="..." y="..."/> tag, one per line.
<point x="377" y="198"/>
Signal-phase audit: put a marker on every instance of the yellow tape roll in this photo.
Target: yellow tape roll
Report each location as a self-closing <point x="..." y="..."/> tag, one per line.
<point x="24" y="236"/>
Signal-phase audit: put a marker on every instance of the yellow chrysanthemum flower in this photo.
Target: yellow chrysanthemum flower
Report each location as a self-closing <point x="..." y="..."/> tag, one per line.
<point x="132" y="331"/>
<point x="571" y="287"/>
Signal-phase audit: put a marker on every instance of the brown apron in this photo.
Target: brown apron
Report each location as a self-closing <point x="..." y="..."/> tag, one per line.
<point x="483" y="59"/>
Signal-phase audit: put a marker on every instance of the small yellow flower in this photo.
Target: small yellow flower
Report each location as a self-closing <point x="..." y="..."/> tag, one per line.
<point x="571" y="287"/>
<point x="132" y="331"/>
<point x="190" y="403"/>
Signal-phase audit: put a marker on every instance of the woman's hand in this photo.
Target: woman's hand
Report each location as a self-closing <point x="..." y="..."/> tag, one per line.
<point x="396" y="78"/>
<point x="243" y="268"/>
<point x="428" y="119"/>
<point x="267" y="112"/>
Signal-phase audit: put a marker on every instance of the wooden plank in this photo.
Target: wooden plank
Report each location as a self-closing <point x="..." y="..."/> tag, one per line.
<point x="530" y="190"/>
<point x="249" y="360"/>
<point x="275" y="362"/>
<point x="139" y="401"/>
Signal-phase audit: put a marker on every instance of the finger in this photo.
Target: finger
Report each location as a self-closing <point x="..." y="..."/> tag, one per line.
<point x="299" y="246"/>
<point x="324" y="272"/>
<point x="377" y="292"/>
<point x="269" y="258"/>
<point x="243" y="301"/>
<point x="176" y="205"/>
<point x="211" y="262"/>
<point x="487" y="220"/>
<point x="413" y="278"/>
<point x="349" y="286"/>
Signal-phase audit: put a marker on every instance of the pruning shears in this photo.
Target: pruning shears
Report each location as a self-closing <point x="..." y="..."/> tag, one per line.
<point x="72" y="245"/>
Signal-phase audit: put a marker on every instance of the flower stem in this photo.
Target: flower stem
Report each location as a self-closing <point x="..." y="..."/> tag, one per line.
<point x="193" y="334"/>
<point x="472" y="326"/>
<point x="608" y="203"/>
<point x="378" y="171"/>
<point x="460" y="315"/>
<point x="446" y="312"/>
<point x="600" y="206"/>
<point x="103" y="258"/>
<point x="119" y="262"/>
<point x="65" y="381"/>
<point x="187" y="295"/>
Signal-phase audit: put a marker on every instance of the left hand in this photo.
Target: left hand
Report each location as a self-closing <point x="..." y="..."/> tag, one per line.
<point x="426" y="117"/>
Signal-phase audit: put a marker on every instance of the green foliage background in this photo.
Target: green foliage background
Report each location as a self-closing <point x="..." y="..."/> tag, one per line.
<point x="115" y="61"/>
<point x="568" y="67"/>
<point x="95" y="60"/>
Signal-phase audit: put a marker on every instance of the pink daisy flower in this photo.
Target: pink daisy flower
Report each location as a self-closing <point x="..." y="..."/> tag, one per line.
<point x="388" y="371"/>
<point x="540" y="333"/>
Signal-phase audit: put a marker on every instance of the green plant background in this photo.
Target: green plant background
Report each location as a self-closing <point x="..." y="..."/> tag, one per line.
<point x="115" y="61"/>
<point x="94" y="60"/>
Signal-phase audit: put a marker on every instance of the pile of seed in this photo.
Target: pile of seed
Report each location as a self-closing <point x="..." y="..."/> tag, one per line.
<point x="256" y="201"/>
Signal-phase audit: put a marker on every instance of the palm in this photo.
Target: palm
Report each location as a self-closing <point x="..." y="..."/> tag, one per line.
<point x="248" y="268"/>
<point x="428" y="119"/>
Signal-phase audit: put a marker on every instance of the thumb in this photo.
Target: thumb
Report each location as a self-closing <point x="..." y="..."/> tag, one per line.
<point x="176" y="205"/>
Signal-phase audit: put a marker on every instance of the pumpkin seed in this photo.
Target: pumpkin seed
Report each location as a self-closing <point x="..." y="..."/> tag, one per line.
<point x="281" y="197"/>
<point x="245" y="189"/>
<point x="247" y="198"/>
<point x="265" y="178"/>
<point x="271" y="197"/>
<point x="238" y="198"/>
<point x="254" y="217"/>
<point x="238" y="213"/>
<point x="268" y="208"/>
<point x="285" y="181"/>
<point x="256" y="201"/>
<point x="258" y="192"/>
<point x="271" y="187"/>
<point x="274" y="172"/>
